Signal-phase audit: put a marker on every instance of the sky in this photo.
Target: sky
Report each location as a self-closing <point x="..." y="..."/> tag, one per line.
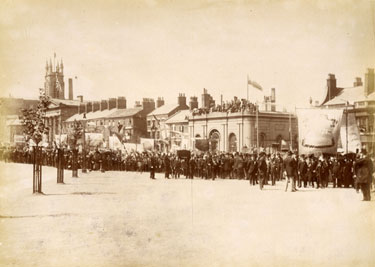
<point x="151" y="48"/>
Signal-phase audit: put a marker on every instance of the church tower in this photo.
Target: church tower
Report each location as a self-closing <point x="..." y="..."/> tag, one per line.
<point x="54" y="85"/>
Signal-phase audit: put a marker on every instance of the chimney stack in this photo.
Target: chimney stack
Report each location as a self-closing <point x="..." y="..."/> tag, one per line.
<point x="80" y="98"/>
<point x="81" y="108"/>
<point x="148" y="105"/>
<point x="357" y="82"/>
<point x="369" y="82"/>
<point x="70" y="89"/>
<point x="111" y="103"/>
<point x="273" y="99"/>
<point x="103" y="105"/>
<point x="181" y="100"/>
<point x="121" y="102"/>
<point x="88" y="107"/>
<point x="159" y="102"/>
<point x="95" y="106"/>
<point x="331" y="86"/>
<point x="193" y="102"/>
<point x="273" y="95"/>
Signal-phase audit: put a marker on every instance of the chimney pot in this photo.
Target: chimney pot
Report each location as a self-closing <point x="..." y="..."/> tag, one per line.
<point x="70" y="89"/>
<point x="369" y="82"/>
<point x="111" y="103"/>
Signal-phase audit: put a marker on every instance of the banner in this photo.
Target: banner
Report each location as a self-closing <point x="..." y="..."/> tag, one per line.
<point x="132" y="147"/>
<point x="318" y="130"/>
<point x="147" y="143"/>
<point x="114" y="142"/>
<point x="351" y="130"/>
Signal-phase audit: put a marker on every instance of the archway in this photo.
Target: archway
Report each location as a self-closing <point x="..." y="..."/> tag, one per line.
<point x="232" y="143"/>
<point x="214" y="139"/>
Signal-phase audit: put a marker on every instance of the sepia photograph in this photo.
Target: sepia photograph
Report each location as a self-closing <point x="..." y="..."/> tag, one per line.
<point x="187" y="133"/>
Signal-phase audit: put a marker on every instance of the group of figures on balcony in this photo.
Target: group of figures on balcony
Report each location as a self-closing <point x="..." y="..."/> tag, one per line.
<point x="233" y="106"/>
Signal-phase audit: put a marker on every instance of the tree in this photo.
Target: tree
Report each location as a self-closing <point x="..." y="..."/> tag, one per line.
<point x="34" y="127"/>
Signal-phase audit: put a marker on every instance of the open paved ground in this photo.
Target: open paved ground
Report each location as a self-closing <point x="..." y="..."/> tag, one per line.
<point x="126" y="219"/>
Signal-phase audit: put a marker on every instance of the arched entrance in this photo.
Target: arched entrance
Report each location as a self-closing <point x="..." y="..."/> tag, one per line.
<point x="232" y="143"/>
<point x="214" y="139"/>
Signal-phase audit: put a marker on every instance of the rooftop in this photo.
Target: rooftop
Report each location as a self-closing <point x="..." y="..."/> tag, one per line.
<point x="350" y="94"/>
<point x="165" y="109"/>
<point x="128" y="112"/>
<point x="65" y="102"/>
<point x="180" y="117"/>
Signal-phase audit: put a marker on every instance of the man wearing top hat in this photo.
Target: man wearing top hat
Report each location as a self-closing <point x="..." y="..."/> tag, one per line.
<point x="363" y="169"/>
<point x="262" y="169"/>
<point x="290" y="171"/>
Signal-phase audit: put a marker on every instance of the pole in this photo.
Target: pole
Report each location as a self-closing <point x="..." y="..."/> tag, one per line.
<point x="84" y="170"/>
<point x="346" y="127"/>
<point x="290" y="131"/>
<point x="257" y="124"/>
<point x="247" y="89"/>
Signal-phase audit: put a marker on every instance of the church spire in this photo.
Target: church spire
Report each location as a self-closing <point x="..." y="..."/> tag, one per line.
<point x="57" y="67"/>
<point x="46" y="66"/>
<point x="61" y="66"/>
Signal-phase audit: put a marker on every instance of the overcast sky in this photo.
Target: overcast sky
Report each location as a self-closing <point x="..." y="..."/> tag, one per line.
<point x="160" y="48"/>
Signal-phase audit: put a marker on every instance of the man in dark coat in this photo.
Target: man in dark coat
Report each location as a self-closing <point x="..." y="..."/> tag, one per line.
<point x="262" y="169"/>
<point x="167" y="166"/>
<point x="290" y="170"/>
<point x="252" y="170"/>
<point x="336" y="172"/>
<point x="152" y="166"/>
<point x="363" y="169"/>
<point x="302" y="169"/>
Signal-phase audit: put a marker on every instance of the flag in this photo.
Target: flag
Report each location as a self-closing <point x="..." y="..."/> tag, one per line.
<point x="254" y="84"/>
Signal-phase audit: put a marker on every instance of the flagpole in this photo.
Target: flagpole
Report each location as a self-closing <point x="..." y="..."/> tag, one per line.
<point x="257" y="124"/>
<point x="290" y="131"/>
<point x="247" y="89"/>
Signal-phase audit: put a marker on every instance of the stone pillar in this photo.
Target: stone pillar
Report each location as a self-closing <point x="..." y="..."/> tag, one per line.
<point x="53" y="128"/>
<point x="224" y="139"/>
<point x="239" y="138"/>
<point x="247" y="133"/>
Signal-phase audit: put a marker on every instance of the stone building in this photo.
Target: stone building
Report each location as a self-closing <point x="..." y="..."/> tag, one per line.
<point x="237" y="131"/>
<point x="359" y="100"/>
<point x="129" y="124"/>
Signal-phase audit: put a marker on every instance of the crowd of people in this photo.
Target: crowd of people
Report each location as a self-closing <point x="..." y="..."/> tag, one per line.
<point x="259" y="169"/>
<point x="233" y="106"/>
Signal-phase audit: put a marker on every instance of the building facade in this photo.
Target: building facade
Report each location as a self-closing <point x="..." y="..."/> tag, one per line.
<point x="235" y="132"/>
<point x="156" y="127"/>
<point x="359" y="100"/>
<point x="112" y="115"/>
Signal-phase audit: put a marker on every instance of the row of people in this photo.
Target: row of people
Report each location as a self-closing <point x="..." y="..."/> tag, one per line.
<point x="258" y="169"/>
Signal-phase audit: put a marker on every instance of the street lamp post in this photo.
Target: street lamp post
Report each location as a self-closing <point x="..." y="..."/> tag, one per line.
<point x="84" y="170"/>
